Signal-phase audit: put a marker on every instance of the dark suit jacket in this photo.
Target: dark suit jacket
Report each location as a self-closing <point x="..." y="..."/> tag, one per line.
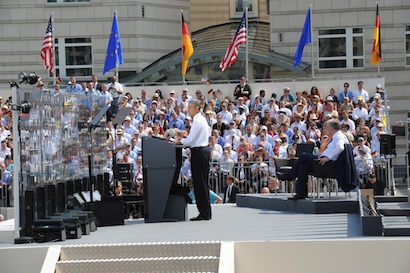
<point x="99" y="86"/>
<point x="347" y="176"/>
<point x="247" y="170"/>
<point x="224" y="127"/>
<point x="234" y="192"/>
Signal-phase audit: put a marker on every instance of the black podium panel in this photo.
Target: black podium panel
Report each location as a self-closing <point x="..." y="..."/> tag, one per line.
<point x="162" y="203"/>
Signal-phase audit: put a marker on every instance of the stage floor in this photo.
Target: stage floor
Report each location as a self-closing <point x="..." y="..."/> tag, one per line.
<point x="229" y="223"/>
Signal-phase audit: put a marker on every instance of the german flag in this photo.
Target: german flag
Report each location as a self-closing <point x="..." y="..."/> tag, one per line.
<point x="187" y="48"/>
<point x="377" y="49"/>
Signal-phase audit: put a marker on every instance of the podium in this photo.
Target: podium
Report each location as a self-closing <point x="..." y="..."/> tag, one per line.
<point x="164" y="198"/>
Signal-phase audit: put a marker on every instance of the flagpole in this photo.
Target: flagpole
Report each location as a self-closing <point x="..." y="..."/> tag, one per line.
<point x="378" y="66"/>
<point x="182" y="49"/>
<point x="246" y="51"/>
<point x="116" y="59"/>
<point x="54" y="49"/>
<point x="311" y="43"/>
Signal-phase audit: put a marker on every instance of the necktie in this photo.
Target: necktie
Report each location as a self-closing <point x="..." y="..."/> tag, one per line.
<point x="324" y="145"/>
<point x="232" y="141"/>
<point x="228" y="194"/>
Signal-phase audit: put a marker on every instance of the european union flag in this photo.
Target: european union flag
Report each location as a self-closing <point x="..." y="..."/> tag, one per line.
<point x="305" y="39"/>
<point x="114" y="50"/>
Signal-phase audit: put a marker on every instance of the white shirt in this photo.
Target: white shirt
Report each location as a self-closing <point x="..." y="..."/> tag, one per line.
<point x="226" y="116"/>
<point x="360" y="113"/>
<point x="363" y="93"/>
<point x="335" y="146"/>
<point x="199" y="134"/>
<point x="352" y="126"/>
<point x="117" y="86"/>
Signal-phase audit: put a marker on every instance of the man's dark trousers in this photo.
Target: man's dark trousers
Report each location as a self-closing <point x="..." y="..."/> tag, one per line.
<point x="200" y="172"/>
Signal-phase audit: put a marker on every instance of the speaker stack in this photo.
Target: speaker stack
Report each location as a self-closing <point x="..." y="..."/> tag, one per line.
<point x="388" y="144"/>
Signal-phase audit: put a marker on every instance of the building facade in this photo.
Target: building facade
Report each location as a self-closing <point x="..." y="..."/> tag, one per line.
<point x="342" y="34"/>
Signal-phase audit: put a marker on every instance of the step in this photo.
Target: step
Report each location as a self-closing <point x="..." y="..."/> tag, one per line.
<point x="161" y="264"/>
<point x="390" y="198"/>
<point x="140" y="250"/>
<point x="396" y="226"/>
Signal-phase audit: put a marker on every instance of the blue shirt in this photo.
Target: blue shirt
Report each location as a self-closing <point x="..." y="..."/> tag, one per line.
<point x="76" y="88"/>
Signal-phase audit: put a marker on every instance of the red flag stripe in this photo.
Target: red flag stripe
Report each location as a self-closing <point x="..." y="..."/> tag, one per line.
<point x="47" y="49"/>
<point x="232" y="53"/>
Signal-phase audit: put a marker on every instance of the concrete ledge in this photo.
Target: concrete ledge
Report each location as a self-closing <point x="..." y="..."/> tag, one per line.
<point x="279" y="202"/>
<point x="7" y="231"/>
<point x="227" y="258"/>
<point x="336" y="256"/>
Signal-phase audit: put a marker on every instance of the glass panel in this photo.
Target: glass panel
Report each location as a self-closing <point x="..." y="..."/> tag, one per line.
<point x="57" y="56"/>
<point x="407" y="43"/>
<point x="332" y="64"/>
<point x="79" y="72"/>
<point x="332" y="47"/>
<point x="234" y="72"/>
<point x="407" y="28"/>
<point x="358" y="63"/>
<point x="78" y="55"/>
<point x="240" y="5"/>
<point x="358" y="46"/>
<point x="261" y="71"/>
<point x="332" y="31"/>
<point x="407" y="60"/>
<point x="357" y="30"/>
<point x="77" y="40"/>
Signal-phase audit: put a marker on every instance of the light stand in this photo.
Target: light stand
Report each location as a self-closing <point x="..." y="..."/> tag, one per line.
<point x="30" y="78"/>
<point x="93" y="125"/>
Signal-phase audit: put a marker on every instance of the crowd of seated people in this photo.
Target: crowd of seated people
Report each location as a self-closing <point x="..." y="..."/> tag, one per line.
<point x="251" y="130"/>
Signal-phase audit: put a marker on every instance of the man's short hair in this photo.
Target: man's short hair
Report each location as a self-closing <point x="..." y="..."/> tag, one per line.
<point x="195" y="103"/>
<point x="230" y="177"/>
<point x="334" y="123"/>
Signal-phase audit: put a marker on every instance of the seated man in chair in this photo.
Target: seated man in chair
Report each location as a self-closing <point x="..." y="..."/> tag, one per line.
<point x="329" y="150"/>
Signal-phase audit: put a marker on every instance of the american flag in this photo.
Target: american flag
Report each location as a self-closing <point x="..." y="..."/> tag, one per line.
<point x="47" y="49"/>
<point x="239" y="39"/>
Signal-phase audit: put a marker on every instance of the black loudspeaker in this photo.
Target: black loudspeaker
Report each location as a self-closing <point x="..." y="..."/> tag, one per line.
<point x="399" y="130"/>
<point x="109" y="212"/>
<point x="61" y="197"/>
<point x="99" y="183"/>
<point x="41" y="202"/>
<point x="69" y="187"/>
<point x="28" y="213"/>
<point x="51" y="199"/>
<point x="388" y="144"/>
<point x="106" y="179"/>
<point x="77" y="185"/>
<point x="85" y="185"/>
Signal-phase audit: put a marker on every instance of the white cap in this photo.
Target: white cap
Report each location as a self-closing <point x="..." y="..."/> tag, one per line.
<point x="227" y="145"/>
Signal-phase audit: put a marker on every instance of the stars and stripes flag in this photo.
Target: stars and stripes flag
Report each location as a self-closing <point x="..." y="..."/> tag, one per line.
<point x="47" y="48"/>
<point x="239" y="39"/>
<point x="377" y="49"/>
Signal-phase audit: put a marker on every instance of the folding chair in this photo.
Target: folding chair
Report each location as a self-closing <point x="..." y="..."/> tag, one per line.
<point x="285" y="165"/>
<point x="304" y="148"/>
<point x="327" y="172"/>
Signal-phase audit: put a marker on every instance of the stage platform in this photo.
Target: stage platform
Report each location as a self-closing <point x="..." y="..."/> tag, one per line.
<point x="279" y="202"/>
